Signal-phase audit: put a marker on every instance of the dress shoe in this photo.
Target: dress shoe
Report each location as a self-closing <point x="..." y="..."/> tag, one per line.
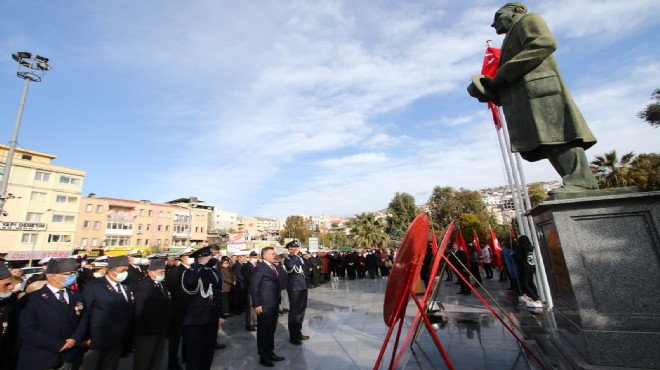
<point x="266" y="362"/>
<point x="297" y="342"/>
<point x="303" y="337"/>
<point x="251" y="328"/>
<point x="275" y="357"/>
<point x="220" y="346"/>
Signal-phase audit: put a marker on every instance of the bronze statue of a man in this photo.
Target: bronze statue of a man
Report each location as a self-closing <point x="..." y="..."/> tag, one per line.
<point x="542" y="118"/>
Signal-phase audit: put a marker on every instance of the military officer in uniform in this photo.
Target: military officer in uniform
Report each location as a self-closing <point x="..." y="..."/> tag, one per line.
<point x="297" y="290"/>
<point x="49" y="323"/>
<point x="108" y="316"/>
<point x="135" y="271"/>
<point x="179" y="303"/>
<point x="200" y="324"/>
<point x="153" y="308"/>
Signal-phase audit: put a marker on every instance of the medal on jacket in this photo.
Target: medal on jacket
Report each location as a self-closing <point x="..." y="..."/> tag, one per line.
<point x="78" y="308"/>
<point x="5" y="325"/>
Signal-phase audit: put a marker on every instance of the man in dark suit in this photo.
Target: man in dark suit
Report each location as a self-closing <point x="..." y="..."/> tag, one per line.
<point x="108" y="316"/>
<point x="459" y="259"/>
<point x="49" y="323"/>
<point x="247" y="271"/>
<point x="265" y="293"/>
<point x="200" y="324"/>
<point x="7" y="317"/>
<point x="153" y="308"/>
<point x="297" y="290"/>
<point x="179" y="303"/>
<point x="240" y="289"/>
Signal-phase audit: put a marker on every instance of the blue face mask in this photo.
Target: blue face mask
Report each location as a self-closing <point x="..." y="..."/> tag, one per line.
<point x="70" y="279"/>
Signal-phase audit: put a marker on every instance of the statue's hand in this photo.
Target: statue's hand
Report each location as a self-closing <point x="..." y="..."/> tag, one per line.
<point x="490" y="85"/>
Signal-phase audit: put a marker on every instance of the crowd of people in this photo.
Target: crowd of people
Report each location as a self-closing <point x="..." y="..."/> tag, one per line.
<point x="515" y="263"/>
<point x="81" y="313"/>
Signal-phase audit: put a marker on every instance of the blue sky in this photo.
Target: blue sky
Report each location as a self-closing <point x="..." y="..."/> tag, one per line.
<point x="302" y="107"/>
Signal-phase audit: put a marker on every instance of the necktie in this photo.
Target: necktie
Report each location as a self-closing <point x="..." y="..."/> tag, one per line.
<point x="60" y="297"/>
<point x="162" y="290"/>
<point x="274" y="271"/>
<point x="121" y="291"/>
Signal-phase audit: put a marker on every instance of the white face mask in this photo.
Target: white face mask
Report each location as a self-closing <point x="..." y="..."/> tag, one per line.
<point x="121" y="276"/>
<point x="160" y="278"/>
<point x="98" y="274"/>
<point x="253" y="260"/>
<point x="6" y="294"/>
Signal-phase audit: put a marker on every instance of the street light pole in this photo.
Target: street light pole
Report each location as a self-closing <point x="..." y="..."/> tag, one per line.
<point x="29" y="69"/>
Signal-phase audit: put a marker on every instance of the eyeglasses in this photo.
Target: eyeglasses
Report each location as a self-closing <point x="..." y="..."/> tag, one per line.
<point x="70" y="273"/>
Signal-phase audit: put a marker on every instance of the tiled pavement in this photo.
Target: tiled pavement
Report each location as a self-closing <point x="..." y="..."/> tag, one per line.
<point x="345" y="322"/>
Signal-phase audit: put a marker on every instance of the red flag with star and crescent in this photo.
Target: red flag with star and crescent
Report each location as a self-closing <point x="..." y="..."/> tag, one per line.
<point x="489" y="69"/>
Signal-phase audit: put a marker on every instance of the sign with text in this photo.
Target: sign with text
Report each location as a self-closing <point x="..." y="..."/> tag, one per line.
<point x="23" y="226"/>
<point x="36" y="255"/>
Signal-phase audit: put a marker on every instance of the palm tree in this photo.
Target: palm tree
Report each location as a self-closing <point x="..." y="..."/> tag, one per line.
<point x="611" y="171"/>
<point x="368" y="231"/>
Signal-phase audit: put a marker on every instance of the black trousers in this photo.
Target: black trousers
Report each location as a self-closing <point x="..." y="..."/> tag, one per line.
<point x="101" y="359"/>
<point x="266" y="325"/>
<point x="297" y="307"/>
<point x="200" y="345"/>
<point x="174" y="340"/>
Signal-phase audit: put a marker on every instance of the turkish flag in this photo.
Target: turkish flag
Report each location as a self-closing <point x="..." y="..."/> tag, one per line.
<point x="497" y="250"/>
<point x="489" y="69"/>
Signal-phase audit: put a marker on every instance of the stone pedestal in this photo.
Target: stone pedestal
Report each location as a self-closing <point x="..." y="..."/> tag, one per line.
<point x="602" y="259"/>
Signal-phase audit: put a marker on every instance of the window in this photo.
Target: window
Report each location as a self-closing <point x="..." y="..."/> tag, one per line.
<point x="158" y="242"/>
<point x="167" y="215"/>
<point x="146" y="242"/>
<point x="119" y="225"/>
<point x="66" y="199"/>
<point x="201" y="229"/>
<point x="167" y="227"/>
<point x="196" y="229"/>
<point x="95" y="242"/>
<point x="150" y="213"/>
<point x="160" y="227"/>
<point x="167" y="242"/>
<point x="27" y="157"/>
<point x="29" y="238"/>
<point x="160" y="214"/>
<point x="41" y="176"/>
<point x="33" y="217"/>
<point x="86" y="224"/>
<point x="138" y="242"/>
<point x="83" y="242"/>
<point x="63" y="218"/>
<point x="118" y="241"/>
<point x="139" y="228"/>
<point x="97" y="225"/>
<point x="69" y="180"/>
<point x="59" y="238"/>
<point x="38" y="196"/>
<point x="88" y="208"/>
<point x="99" y="208"/>
<point x="142" y="212"/>
<point x="148" y="227"/>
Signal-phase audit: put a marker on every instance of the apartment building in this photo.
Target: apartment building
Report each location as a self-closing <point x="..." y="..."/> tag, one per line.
<point x="42" y="206"/>
<point x="114" y="223"/>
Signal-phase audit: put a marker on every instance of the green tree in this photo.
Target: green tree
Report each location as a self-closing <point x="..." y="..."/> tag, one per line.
<point x="537" y="193"/>
<point x="368" y="231"/>
<point x="470" y="223"/>
<point x="651" y="114"/>
<point x="611" y="171"/>
<point x="297" y="227"/>
<point x="401" y="213"/>
<point x="645" y="172"/>
<point x="446" y="204"/>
